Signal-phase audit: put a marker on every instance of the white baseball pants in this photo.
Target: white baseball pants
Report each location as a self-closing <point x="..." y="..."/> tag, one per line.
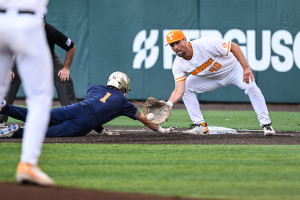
<point x="196" y="84"/>
<point x="23" y="35"/>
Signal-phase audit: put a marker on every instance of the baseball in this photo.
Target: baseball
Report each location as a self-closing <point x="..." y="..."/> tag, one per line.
<point x="150" y="116"/>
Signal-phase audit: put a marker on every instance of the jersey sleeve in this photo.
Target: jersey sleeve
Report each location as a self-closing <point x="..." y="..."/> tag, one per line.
<point x="178" y="73"/>
<point x="218" y="47"/>
<point x="129" y="110"/>
<point x="59" y="38"/>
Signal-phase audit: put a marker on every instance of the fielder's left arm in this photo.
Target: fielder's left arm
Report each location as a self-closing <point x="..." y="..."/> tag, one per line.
<point x="176" y="94"/>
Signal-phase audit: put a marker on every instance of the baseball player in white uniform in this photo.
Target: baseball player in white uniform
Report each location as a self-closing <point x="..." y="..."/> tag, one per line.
<point x="211" y="63"/>
<point x="23" y="35"/>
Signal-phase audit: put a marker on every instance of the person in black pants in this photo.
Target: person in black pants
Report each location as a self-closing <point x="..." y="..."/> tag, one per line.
<point x="62" y="79"/>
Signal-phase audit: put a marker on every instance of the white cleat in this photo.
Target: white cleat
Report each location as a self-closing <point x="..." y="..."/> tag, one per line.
<point x="32" y="174"/>
<point x="197" y="129"/>
<point x="9" y="131"/>
<point x="268" y="130"/>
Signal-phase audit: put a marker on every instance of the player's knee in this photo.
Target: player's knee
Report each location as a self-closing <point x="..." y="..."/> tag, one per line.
<point x="252" y="88"/>
<point x="188" y="94"/>
<point x="187" y="91"/>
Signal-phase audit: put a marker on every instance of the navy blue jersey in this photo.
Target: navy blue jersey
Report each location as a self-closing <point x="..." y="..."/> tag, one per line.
<point x="102" y="104"/>
<point x="105" y="104"/>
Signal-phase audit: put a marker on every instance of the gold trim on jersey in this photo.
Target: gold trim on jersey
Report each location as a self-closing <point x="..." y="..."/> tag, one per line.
<point x="228" y="48"/>
<point x="183" y="78"/>
<point x="202" y="67"/>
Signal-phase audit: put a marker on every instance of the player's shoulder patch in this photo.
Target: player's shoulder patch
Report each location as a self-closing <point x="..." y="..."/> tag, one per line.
<point x="224" y="45"/>
<point x="68" y="42"/>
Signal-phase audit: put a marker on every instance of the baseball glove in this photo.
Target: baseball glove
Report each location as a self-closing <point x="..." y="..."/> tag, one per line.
<point x="159" y="108"/>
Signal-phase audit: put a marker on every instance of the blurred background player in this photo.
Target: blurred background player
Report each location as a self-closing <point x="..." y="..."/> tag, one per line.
<point x="212" y="63"/>
<point x="101" y="105"/>
<point x="23" y="35"/>
<point x="62" y="78"/>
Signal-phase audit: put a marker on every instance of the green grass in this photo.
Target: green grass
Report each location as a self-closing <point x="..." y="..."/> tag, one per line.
<point x="202" y="171"/>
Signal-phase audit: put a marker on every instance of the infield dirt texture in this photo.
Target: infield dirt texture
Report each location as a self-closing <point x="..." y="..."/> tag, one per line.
<point x="133" y="135"/>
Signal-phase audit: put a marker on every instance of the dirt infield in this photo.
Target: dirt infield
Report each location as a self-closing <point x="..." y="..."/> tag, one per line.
<point x="146" y="136"/>
<point x="13" y="191"/>
<point x="133" y="135"/>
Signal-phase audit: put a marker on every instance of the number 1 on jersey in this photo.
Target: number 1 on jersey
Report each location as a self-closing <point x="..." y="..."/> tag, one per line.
<point x="103" y="99"/>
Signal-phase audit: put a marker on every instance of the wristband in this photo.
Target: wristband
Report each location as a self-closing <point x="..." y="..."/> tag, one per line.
<point x="169" y="103"/>
<point x="161" y="130"/>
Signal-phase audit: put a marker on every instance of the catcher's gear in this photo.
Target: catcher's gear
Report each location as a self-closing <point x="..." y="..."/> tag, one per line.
<point x="120" y="81"/>
<point x="159" y="108"/>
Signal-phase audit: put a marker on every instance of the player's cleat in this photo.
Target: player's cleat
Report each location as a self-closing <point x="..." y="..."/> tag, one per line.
<point x="268" y="130"/>
<point x="9" y="131"/>
<point x="32" y="174"/>
<point x="107" y="132"/>
<point x="2" y="103"/>
<point x="197" y="129"/>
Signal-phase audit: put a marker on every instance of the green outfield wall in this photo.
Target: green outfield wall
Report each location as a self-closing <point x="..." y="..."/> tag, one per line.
<point x="129" y="36"/>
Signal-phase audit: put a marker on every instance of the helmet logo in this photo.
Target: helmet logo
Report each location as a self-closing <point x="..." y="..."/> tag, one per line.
<point x="119" y="81"/>
<point x="170" y="36"/>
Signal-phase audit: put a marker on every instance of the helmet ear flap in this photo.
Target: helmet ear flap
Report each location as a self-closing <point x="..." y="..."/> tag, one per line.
<point x="120" y="81"/>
